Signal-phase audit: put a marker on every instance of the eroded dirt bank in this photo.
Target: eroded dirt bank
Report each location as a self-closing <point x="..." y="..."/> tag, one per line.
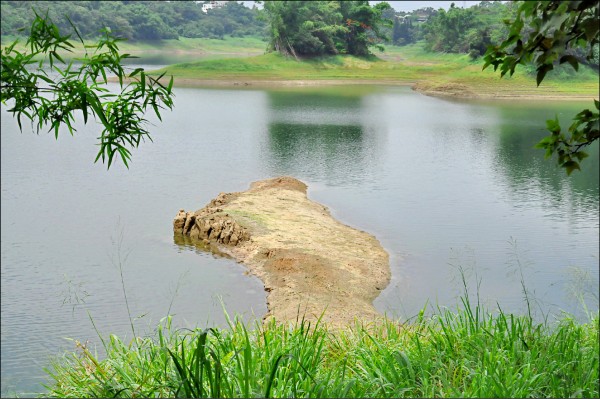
<point x="308" y="261"/>
<point x="500" y="92"/>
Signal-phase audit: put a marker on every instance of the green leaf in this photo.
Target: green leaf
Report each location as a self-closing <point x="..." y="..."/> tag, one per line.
<point x="553" y="125"/>
<point x="272" y="374"/>
<point x="156" y="110"/>
<point x="541" y="72"/>
<point x="545" y="142"/>
<point x="58" y="57"/>
<point x="98" y="110"/>
<point x="143" y="81"/>
<point x="79" y="88"/>
<point x="135" y="72"/>
<point x="45" y="79"/>
<point x="157" y="80"/>
<point x="590" y="27"/>
<point x="571" y="60"/>
<point x="570" y="166"/>
<point x="125" y="155"/>
<point x="100" y="154"/>
<point x="111" y="153"/>
<point x="84" y="107"/>
<point x="580" y="155"/>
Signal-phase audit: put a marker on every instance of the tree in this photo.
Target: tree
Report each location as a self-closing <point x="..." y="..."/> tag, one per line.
<point x="313" y="28"/>
<point x="403" y="31"/>
<point x="559" y="32"/>
<point x="447" y="29"/>
<point x="307" y="28"/>
<point x="45" y="100"/>
<point x="153" y="20"/>
<point x="364" y="24"/>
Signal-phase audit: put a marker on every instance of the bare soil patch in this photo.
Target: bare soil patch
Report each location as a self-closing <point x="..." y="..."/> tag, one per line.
<point x="462" y="91"/>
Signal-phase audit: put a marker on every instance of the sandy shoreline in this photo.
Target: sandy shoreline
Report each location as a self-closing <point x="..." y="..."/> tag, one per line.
<point x="449" y="90"/>
<point x="258" y="83"/>
<point x="311" y="265"/>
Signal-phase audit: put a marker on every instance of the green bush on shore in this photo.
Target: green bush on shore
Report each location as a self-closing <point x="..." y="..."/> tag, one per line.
<point x="469" y="352"/>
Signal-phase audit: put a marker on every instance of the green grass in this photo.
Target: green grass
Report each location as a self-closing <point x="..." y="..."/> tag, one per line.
<point x="242" y="59"/>
<point x="199" y="48"/>
<point x="398" y="65"/>
<point x="276" y="67"/>
<point x="468" y="352"/>
<point x="238" y="45"/>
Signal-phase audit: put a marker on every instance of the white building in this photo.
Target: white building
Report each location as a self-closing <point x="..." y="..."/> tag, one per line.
<point x="209" y="5"/>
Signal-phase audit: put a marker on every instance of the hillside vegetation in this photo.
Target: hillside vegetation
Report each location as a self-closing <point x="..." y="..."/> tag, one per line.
<point x="135" y="20"/>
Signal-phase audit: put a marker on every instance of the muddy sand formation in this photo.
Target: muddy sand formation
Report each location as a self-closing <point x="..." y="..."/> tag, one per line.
<point x="308" y="262"/>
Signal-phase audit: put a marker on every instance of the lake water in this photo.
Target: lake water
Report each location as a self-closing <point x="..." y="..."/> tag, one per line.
<point x="444" y="185"/>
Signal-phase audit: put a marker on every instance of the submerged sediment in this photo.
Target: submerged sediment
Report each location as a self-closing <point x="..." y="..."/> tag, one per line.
<point x="310" y="264"/>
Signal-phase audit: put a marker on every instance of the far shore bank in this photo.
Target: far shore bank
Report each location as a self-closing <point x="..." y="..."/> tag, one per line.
<point x="455" y="91"/>
<point x="500" y="93"/>
<point x="268" y="83"/>
<point x="241" y="63"/>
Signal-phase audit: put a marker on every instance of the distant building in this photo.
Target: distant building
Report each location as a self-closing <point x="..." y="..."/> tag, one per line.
<point x="414" y="16"/>
<point x="209" y="5"/>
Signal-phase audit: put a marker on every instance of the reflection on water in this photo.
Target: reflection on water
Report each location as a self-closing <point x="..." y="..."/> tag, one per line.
<point x="185" y="242"/>
<point x="323" y="136"/>
<point x="318" y="150"/>
<point x="314" y="100"/>
<point x="525" y="166"/>
<point x="440" y="183"/>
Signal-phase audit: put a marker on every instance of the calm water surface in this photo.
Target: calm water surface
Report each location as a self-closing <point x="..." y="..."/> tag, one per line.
<point x="444" y="185"/>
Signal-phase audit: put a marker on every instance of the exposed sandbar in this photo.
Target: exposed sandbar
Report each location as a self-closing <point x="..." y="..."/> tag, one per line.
<point x="309" y="262"/>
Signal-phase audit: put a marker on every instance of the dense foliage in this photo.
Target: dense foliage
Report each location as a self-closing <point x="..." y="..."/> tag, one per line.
<point x="547" y="34"/>
<point x="312" y="28"/>
<point x="46" y="99"/>
<point x="136" y="20"/>
<point x="467" y="353"/>
<point x="466" y="30"/>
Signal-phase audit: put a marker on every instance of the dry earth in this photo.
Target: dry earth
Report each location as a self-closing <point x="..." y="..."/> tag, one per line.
<point x="311" y="264"/>
<point x="271" y="83"/>
<point x="462" y="91"/>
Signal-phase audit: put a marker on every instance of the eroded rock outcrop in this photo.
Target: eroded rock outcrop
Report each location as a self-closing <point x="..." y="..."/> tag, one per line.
<point x="310" y="264"/>
<point x="211" y="225"/>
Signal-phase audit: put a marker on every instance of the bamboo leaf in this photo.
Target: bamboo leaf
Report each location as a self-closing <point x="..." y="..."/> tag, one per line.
<point x="84" y="107"/>
<point x="125" y="154"/>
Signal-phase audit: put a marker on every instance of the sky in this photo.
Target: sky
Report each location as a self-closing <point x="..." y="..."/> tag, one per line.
<point x="404" y="5"/>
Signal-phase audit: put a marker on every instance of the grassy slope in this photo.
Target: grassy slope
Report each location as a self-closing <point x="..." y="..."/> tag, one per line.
<point x="461" y="70"/>
<point x="229" y="46"/>
<point x="398" y="65"/>
<point x="243" y="59"/>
